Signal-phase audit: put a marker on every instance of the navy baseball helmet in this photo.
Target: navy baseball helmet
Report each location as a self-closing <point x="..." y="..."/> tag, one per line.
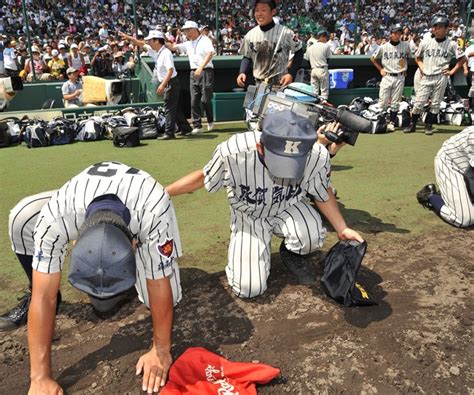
<point x="103" y="259"/>
<point x="440" y="20"/>
<point x="287" y="139"/>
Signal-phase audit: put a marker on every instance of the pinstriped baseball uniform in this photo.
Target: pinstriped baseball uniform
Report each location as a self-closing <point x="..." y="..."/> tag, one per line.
<point x="42" y="225"/>
<point x="394" y="59"/>
<point x="318" y="55"/>
<point x="260" y="47"/>
<point x="451" y="161"/>
<point x="436" y="58"/>
<point x="262" y="205"/>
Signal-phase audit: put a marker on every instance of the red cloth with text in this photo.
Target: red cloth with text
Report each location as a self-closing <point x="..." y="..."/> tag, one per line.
<point x="199" y="371"/>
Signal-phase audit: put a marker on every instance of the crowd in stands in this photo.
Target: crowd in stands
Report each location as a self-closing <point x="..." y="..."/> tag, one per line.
<point x="83" y="34"/>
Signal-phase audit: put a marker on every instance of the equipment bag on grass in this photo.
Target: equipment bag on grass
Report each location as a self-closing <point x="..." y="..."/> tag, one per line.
<point x="147" y="126"/>
<point x="36" y="135"/>
<point x="125" y="136"/>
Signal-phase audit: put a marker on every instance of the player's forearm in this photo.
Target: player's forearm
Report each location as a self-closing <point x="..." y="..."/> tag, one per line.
<point x="376" y="64"/>
<point x="167" y="78"/>
<point x="207" y="59"/>
<point x="419" y="62"/>
<point x="41" y="317"/>
<point x="186" y="184"/>
<point x="331" y="211"/>
<point x="161" y="309"/>
<point x="458" y="66"/>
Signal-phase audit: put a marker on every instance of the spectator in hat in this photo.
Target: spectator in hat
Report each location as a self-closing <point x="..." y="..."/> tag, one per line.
<point x="57" y="66"/>
<point x="200" y="52"/>
<point x="75" y="59"/>
<point x="72" y="89"/>
<point x="41" y="68"/>
<point x="318" y="55"/>
<point x="62" y="52"/>
<point x="118" y="66"/>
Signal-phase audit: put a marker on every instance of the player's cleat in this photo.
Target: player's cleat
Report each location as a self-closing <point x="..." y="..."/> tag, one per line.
<point x="18" y="316"/>
<point x="410" y="128"/>
<point x="166" y="137"/>
<point x="428" y="129"/>
<point x="423" y="196"/>
<point x="296" y="265"/>
<point x="184" y="133"/>
<point x="210" y="126"/>
<point x="196" y="131"/>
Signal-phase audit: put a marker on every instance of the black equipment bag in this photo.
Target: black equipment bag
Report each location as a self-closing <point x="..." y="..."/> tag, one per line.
<point x="147" y="126"/>
<point x="61" y="131"/>
<point x="341" y="267"/>
<point x="126" y="136"/>
<point x="36" y="135"/>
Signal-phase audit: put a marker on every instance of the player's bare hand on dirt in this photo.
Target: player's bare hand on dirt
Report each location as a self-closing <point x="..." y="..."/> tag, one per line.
<point x="45" y="386"/>
<point x="241" y="78"/>
<point x="287" y="79"/>
<point x="350" y="234"/>
<point x="154" y="365"/>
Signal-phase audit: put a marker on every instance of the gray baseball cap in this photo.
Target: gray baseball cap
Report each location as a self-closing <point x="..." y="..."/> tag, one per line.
<point x="287" y="139"/>
<point x="103" y="262"/>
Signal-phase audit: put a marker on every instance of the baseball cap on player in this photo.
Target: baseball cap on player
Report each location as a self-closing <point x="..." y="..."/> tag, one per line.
<point x="440" y="20"/>
<point x="323" y="32"/>
<point x="287" y="139"/>
<point x="71" y="70"/>
<point x="396" y="28"/>
<point x="103" y="259"/>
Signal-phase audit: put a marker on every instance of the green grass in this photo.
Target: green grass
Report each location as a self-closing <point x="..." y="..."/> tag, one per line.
<point x="376" y="182"/>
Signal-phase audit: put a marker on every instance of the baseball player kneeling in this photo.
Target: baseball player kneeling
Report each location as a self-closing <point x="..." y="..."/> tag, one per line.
<point x="267" y="176"/>
<point x="454" y="170"/>
<point x="126" y="235"/>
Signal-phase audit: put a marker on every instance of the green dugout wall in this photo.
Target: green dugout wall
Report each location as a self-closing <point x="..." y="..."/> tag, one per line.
<point x="227" y="103"/>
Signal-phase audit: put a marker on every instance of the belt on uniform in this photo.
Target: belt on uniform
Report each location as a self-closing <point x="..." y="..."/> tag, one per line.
<point x="395" y="74"/>
<point x="432" y="75"/>
<point x="206" y="68"/>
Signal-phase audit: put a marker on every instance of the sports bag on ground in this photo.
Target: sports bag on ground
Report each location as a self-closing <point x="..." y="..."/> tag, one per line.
<point x="36" y="135"/>
<point x="126" y="136"/>
<point x="91" y="129"/>
<point x="147" y="126"/>
<point x="339" y="279"/>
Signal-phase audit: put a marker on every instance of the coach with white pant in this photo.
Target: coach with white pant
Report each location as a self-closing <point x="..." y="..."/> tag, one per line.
<point x="200" y="51"/>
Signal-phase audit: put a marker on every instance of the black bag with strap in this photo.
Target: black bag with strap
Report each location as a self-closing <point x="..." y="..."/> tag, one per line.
<point x="36" y="135"/>
<point x="147" y="126"/>
<point x="126" y="136"/>
<point x="339" y="279"/>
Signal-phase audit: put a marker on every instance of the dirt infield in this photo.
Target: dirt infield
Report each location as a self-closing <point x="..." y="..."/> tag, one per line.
<point x="418" y="340"/>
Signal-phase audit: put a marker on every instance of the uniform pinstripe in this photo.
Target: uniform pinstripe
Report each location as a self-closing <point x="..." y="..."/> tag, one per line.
<point x="262" y="205"/>
<point x="436" y="58"/>
<point x="318" y="55"/>
<point x="394" y="59"/>
<point x="452" y="160"/>
<point x="59" y="215"/>
<point x="260" y="47"/>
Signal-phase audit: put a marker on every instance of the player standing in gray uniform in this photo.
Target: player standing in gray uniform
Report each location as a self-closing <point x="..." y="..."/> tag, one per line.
<point x="266" y="49"/>
<point x="318" y="56"/>
<point x="454" y="170"/>
<point x="394" y="63"/>
<point x="126" y="232"/>
<point x="433" y="58"/>
<point x="267" y="177"/>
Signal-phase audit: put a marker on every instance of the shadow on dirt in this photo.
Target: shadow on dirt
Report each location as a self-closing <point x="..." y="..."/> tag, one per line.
<point x="195" y="324"/>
